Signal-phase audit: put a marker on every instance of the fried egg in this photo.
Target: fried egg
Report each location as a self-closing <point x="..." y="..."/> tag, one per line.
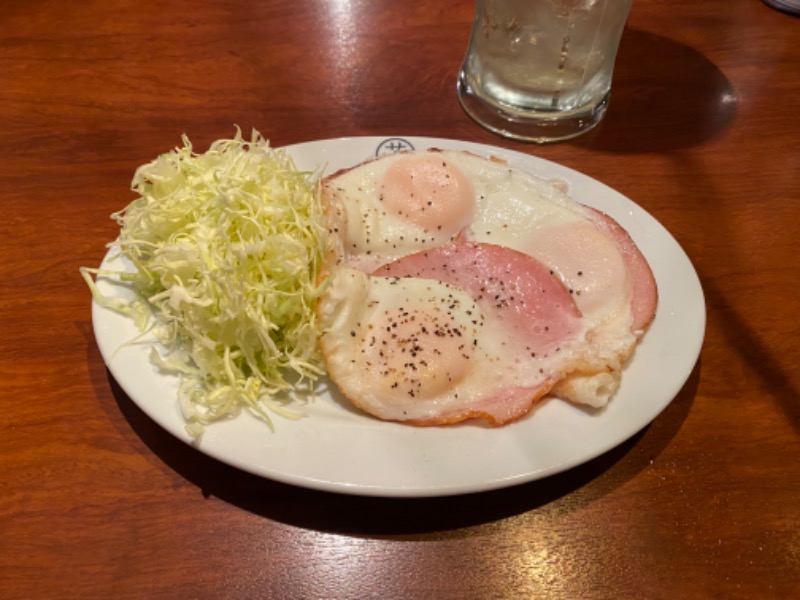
<point x="458" y="332"/>
<point x="597" y="261"/>
<point x="388" y="213"/>
<point x="400" y="204"/>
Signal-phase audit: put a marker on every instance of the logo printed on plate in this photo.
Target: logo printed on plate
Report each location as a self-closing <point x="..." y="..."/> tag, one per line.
<point x="393" y="146"/>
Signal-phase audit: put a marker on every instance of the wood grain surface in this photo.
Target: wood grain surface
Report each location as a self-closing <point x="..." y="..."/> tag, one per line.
<point x="96" y="501"/>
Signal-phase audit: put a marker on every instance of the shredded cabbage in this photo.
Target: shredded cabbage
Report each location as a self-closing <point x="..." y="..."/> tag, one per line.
<point x="227" y="247"/>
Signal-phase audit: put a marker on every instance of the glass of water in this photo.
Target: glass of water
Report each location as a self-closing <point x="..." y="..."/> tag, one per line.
<point x="540" y="70"/>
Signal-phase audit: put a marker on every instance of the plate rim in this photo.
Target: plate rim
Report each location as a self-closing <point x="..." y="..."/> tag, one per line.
<point x="525" y="161"/>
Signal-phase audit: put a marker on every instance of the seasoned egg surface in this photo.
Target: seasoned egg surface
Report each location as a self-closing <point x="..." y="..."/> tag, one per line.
<point x="461" y="331"/>
<point x="388" y="213"/>
<point x="402" y="203"/>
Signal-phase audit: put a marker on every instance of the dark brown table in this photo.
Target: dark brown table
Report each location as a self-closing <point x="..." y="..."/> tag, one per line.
<point x="97" y="501"/>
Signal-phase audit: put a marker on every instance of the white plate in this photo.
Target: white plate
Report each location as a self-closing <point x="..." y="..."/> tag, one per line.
<point x="334" y="448"/>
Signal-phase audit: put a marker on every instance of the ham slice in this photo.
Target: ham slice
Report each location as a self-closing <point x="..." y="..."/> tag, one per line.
<point x="521" y="294"/>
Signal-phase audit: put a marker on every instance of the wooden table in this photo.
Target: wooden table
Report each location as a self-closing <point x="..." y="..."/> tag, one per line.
<point x="96" y="501"/>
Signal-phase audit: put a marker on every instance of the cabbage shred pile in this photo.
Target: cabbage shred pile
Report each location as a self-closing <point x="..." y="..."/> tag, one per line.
<point x="227" y="247"/>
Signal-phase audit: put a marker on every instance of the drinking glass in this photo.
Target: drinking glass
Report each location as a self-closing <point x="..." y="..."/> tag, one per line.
<point x="540" y="70"/>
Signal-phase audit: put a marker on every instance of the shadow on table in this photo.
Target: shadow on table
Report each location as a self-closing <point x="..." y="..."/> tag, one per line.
<point x="767" y="365"/>
<point x="665" y="96"/>
<point x="330" y="512"/>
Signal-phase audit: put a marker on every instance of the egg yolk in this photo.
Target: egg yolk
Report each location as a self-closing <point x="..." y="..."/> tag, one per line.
<point x="418" y="354"/>
<point x="589" y="262"/>
<point x="428" y="191"/>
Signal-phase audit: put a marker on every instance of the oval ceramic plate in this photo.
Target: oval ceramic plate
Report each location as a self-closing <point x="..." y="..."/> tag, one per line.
<point x="335" y="448"/>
